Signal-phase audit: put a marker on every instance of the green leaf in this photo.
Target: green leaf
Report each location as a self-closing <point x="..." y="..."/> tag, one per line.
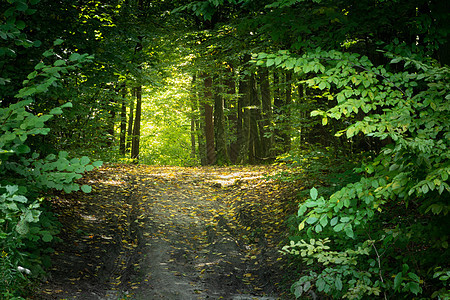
<point x="334" y="221"/>
<point x="86" y="188"/>
<point x="339" y="227"/>
<point x="414" y="288"/>
<point x="313" y="193"/>
<point x="56" y="111"/>
<point x="22" y="227"/>
<point x="58" y="42"/>
<point x="398" y="280"/>
<point x="301" y="226"/>
<point x="97" y="163"/>
<point x="84" y="160"/>
<point x="39" y="66"/>
<point x="12" y="189"/>
<point x="311" y="220"/>
<point x="48" y="53"/>
<point x="318" y="228"/>
<point x="21" y="6"/>
<point x="67" y="104"/>
<point x="349" y="231"/>
<point x="59" y="62"/>
<point x="414" y="276"/>
<point x="320" y="283"/>
<point x="338" y="283"/>
<point x="32" y="75"/>
<point x="19" y="198"/>
<point x="46" y="236"/>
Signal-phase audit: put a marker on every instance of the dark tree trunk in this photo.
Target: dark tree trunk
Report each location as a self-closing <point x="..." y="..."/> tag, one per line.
<point x="278" y="114"/>
<point x="243" y="124"/>
<point x="233" y="150"/>
<point x="193" y="111"/>
<point x="254" y="143"/>
<point x="201" y="138"/>
<point x="110" y="130"/>
<point x="266" y="104"/>
<point x="219" y="125"/>
<point x="130" y="122"/>
<point x="301" y="99"/>
<point x="287" y="126"/>
<point x="137" y="125"/>
<point x="209" y="123"/>
<point x="123" y="122"/>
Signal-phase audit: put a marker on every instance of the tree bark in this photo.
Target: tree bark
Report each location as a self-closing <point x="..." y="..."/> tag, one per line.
<point x="266" y="104"/>
<point x="254" y="150"/>
<point x="110" y="131"/>
<point x="123" y="122"/>
<point x="219" y="125"/>
<point x="243" y="124"/>
<point x="209" y="123"/>
<point x="137" y="126"/>
<point x="130" y="122"/>
<point x="288" y="101"/>
<point x="278" y="114"/>
<point x="193" y="110"/>
<point x="231" y="104"/>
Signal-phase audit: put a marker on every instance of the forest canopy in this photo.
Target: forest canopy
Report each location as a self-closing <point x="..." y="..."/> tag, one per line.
<point x="353" y="96"/>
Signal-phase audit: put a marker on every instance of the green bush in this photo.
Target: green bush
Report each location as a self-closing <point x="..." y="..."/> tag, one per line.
<point x="27" y="226"/>
<point x="385" y="235"/>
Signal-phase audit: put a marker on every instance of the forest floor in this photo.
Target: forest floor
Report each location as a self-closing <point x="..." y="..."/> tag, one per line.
<point x="172" y="233"/>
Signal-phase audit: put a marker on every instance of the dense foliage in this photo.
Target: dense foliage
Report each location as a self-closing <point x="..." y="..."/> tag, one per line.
<point x="354" y="95"/>
<point x="27" y="226"/>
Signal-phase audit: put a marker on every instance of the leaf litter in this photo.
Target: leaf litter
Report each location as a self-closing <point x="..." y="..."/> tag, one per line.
<point x="147" y="232"/>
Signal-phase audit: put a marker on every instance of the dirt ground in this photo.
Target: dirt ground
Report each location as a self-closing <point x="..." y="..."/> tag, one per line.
<point x="171" y="233"/>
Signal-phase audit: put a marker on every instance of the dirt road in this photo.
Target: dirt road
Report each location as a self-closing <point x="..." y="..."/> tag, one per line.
<point x="170" y="233"/>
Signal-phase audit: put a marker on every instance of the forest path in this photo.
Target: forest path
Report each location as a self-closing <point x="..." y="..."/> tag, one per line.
<point x="170" y="233"/>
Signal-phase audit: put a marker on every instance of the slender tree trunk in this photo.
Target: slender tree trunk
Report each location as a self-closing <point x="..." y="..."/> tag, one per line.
<point x="277" y="106"/>
<point x="209" y="123"/>
<point x="231" y="104"/>
<point x="240" y="119"/>
<point x="193" y="111"/>
<point x="110" y="130"/>
<point x="243" y="118"/>
<point x="137" y="125"/>
<point x="254" y="150"/>
<point x="201" y="138"/>
<point x="123" y="122"/>
<point x="266" y="104"/>
<point x="301" y="99"/>
<point x="287" y="127"/>
<point x="219" y="125"/>
<point x="130" y="122"/>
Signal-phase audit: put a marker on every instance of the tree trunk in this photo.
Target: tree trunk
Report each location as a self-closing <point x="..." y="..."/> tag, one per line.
<point x="130" y="122"/>
<point x="123" y="122"/>
<point x="193" y="110"/>
<point x="110" y="131"/>
<point x="219" y="125"/>
<point x="278" y="114"/>
<point x="254" y="150"/>
<point x="301" y="99"/>
<point x="266" y="104"/>
<point x="231" y="104"/>
<point x="243" y="124"/>
<point x="209" y="123"/>
<point x="287" y="126"/>
<point x="137" y="126"/>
